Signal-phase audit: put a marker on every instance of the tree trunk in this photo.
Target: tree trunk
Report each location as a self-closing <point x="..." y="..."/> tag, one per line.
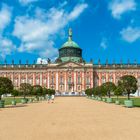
<point x="109" y="94"/>
<point x="128" y="96"/>
<point x="0" y="97"/>
<point x="117" y="97"/>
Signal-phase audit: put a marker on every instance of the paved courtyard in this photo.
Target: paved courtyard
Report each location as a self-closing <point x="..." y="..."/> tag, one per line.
<point x="70" y="118"/>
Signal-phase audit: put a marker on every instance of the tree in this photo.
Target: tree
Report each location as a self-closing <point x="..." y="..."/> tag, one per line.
<point x="118" y="91"/>
<point x="128" y="83"/>
<point x="15" y="93"/>
<point x="107" y="88"/>
<point x="37" y="90"/>
<point x="6" y="86"/>
<point x="50" y="92"/>
<point x="98" y="91"/>
<point x="25" y="89"/>
<point x="89" y="91"/>
<point x="44" y="91"/>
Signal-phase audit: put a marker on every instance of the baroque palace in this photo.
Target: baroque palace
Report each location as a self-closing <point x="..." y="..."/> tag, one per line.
<point x="69" y="74"/>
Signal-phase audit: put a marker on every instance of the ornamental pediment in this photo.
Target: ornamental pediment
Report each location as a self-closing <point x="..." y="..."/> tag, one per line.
<point x="70" y="64"/>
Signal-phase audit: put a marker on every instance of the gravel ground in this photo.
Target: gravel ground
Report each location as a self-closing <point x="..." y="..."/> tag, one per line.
<point x="70" y="118"/>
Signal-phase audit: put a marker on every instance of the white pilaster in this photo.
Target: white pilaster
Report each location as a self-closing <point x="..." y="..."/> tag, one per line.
<point x="48" y="80"/>
<point x="19" y="79"/>
<point x="82" y="80"/>
<point x="75" y="84"/>
<point x="56" y="80"/>
<point x="65" y="82"/>
<point x="33" y="79"/>
<point x="26" y="78"/>
<point x="40" y="79"/>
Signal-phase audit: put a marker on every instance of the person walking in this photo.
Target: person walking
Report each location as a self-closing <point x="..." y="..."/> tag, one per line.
<point x="52" y="98"/>
<point x="49" y="98"/>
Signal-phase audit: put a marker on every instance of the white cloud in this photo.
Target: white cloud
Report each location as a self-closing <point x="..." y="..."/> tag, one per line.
<point x="130" y="34"/>
<point x="119" y="7"/>
<point x="104" y="43"/>
<point x="41" y="61"/>
<point x="25" y="2"/>
<point x="77" y="10"/>
<point x="6" y="47"/>
<point x="5" y="17"/>
<point x="37" y="33"/>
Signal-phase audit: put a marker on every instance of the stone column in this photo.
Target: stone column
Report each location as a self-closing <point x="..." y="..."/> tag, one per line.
<point x="65" y="81"/>
<point x="48" y="80"/>
<point x="75" y="84"/>
<point x="40" y="78"/>
<point x="100" y="78"/>
<point x="12" y="77"/>
<point x="19" y="79"/>
<point x="33" y="79"/>
<point x="82" y="81"/>
<point x="56" y="80"/>
<point x="26" y="77"/>
<point x="107" y="76"/>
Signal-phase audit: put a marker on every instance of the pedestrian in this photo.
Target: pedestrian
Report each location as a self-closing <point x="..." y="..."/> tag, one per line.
<point x="52" y="98"/>
<point x="49" y="98"/>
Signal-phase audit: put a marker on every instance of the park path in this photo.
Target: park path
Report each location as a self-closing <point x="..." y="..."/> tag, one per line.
<point x="70" y="118"/>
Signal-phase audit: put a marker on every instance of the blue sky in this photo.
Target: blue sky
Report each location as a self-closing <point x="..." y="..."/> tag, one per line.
<point x="36" y="29"/>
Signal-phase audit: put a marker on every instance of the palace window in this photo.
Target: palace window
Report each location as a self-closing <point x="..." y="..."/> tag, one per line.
<point x="37" y="81"/>
<point x="79" y="87"/>
<point x="138" y="81"/>
<point x="23" y="80"/>
<point x="15" y="82"/>
<point x="52" y="80"/>
<point x="44" y="81"/>
<point x="79" y="79"/>
<point x="30" y="81"/>
<point x="110" y="79"/>
<point x="103" y="79"/>
<point x="61" y="87"/>
<point x="61" y="80"/>
<point x="69" y="79"/>
<point x="87" y="80"/>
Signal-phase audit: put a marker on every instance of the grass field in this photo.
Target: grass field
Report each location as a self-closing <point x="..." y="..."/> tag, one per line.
<point x="136" y="101"/>
<point x="8" y="100"/>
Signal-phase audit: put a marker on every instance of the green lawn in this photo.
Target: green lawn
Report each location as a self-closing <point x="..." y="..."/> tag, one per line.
<point x="136" y="101"/>
<point x="9" y="99"/>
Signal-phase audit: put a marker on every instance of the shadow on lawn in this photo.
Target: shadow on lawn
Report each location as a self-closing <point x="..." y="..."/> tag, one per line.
<point x="15" y="106"/>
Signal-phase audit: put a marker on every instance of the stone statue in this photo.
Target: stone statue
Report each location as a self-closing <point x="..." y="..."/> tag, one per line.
<point x="49" y="60"/>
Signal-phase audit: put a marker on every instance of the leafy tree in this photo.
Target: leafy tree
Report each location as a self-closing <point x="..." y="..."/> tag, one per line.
<point x="25" y="89"/>
<point x="128" y="83"/>
<point x="118" y="91"/>
<point x="98" y="91"/>
<point x="15" y="93"/>
<point x="89" y="91"/>
<point x="50" y="92"/>
<point x="37" y="90"/>
<point x="107" y="88"/>
<point x="6" y="86"/>
<point x="44" y="91"/>
<point x="53" y="92"/>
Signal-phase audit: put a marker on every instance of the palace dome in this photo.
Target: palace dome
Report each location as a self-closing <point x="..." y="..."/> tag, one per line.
<point x="70" y="51"/>
<point x="70" y="43"/>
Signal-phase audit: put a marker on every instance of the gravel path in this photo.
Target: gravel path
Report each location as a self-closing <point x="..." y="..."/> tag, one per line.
<point x="70" y="118"/>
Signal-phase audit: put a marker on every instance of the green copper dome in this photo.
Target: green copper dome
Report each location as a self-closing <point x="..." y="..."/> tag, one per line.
<point x="70" y="44"/>
<point x="70" y="51"/>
